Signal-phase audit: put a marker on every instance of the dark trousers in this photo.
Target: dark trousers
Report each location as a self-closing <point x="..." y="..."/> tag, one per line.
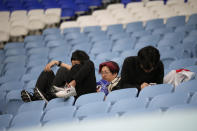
<point x="47" y="79"/>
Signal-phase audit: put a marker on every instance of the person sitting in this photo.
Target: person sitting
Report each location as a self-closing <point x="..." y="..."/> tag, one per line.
<point x="70" y="80"/>
<point x="109" y="71"/>
<point x="142" y="70"/>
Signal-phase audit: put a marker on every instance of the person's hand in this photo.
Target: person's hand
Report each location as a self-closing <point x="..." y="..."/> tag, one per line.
<point x="72" y="83"/>
<point x="49" y="65"/>
<point x="143" y="85"/>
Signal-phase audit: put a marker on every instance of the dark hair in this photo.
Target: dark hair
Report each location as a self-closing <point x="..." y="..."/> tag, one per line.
<point x="113" y="66"/>
<point x="80" y="56"/>
<point x="148" y="57"/>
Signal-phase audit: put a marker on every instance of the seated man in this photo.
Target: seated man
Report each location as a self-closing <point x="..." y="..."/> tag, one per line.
<point x="110" y="79"/>
<point x="70" y="80"/>
<point x="142" y="70"/>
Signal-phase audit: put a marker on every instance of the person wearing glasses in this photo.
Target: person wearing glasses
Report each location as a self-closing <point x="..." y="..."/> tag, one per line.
<point x="142" y="70"/>
<point x="70" y="80"/>
<point x="109" y="72"/>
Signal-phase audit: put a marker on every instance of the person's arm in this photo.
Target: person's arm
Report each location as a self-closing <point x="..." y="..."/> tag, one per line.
<point x="84" y="71"/>
<point x="160" y="74"/>
<point x="58" y="63"/>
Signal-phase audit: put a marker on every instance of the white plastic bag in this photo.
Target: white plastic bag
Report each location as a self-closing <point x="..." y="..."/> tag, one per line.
<point x="175" y="77"/>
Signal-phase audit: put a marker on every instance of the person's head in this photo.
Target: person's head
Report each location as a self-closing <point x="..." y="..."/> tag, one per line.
<point x="78" y="57"/>
<point x="149" y="58"/>
<point x="109" y="70"/>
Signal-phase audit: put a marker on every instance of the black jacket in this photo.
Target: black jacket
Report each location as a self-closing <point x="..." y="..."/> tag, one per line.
<point x="132" y="74"/>
<point x="84" y="75"/>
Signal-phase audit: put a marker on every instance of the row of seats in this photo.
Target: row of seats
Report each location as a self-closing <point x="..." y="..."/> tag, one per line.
<point x="158" y="98"/>
<point x="114" y="14"/>
<point x="118" y="14"/>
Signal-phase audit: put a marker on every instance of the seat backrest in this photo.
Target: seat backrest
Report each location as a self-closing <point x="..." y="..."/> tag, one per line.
<point x="165" y="101"/>
<point x="89" y="98"/>
<point x="154" y="90"/>
<point x="90" y="109"/>
<point x="59" y="113"/>
<point x="34" y="105"/>
<point x="121" y="94"/>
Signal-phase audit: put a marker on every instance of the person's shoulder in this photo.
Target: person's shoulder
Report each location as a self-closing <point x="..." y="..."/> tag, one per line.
<point x="131" y="59"/>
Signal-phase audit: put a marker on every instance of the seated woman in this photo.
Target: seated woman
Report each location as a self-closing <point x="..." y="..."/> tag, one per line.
<point x="142" y="70"/>
<point x="70" y="80"/>
<point x="110" y="79"/>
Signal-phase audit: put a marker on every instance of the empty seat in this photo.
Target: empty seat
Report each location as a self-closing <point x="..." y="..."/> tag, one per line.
<point x="89" y="98"/>
<point x="5" y="120"/>
<point x="63" y="112"/>
<point x="59" y="102"/>
<point x="154" y="90"/>
<point x="27" y="119"/>
<point x="182" y="63"/>
<point x="34" y="105"/>
<point x="164" y="101"/>
<point x="91" y="109"/>
<point x="175" y="21"/>
<point x="129" y="104"/>
<point x="121" y="94"/>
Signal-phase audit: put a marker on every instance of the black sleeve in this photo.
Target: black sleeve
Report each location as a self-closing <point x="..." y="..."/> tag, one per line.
<point x="127" y="74"/>
<point x="84" y="71"/>
<point x="160" y="74"/>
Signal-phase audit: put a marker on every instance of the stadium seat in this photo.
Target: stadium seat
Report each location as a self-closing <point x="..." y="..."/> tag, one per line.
<point x="175" y="21"/>
<point x="192" y="20"/>
<point x="134" y="27"/>
<point x="194" y="99"/>
<point x="89" y="98"/>
<point x="129" y="104"/>
<point x="91" y="109"/>
<point x="59" y="102"/>
<point x="182" y="63"/>
<point x="13" y="101"/>
<point x="63" y="112"/>
<point x="121" y="94"/>
<point x="152" y="91"/>
<point x="5" y="120"/>
<point x="164" y="101"/>
<point x="32" y="106"/>
<point x="26" y="119"/>
<point x="154" y="24"/>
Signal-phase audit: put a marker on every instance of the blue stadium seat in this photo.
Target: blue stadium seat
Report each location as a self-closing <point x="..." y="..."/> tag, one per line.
<point x="51" y="31"/>
<point x="5" y="120"/>
<point x="13" y="101"/>
<point x="124" y="44"/>
<point x="32" y="106"/>
<point x="154" y="24"/>
<point x="162" y="31"/>
<point x="63" y="112"/>
<point x="194" y="99"/>
<point x="175" y="21"/>
<point x="192" y="20"/>
<point x="182" y="63"/>
<point x="188" y="86"/>
<point x="32" y="38"/>
<point x="91" y="109"/>
<point x="90" y="29"/>
<point x="152" y="91"/>
<point x="26" y="119"/>
<point x="164" y="101"/>
<point x="11" y="45"/>
<point x="150" y="39"/>
<point x="89" y="98"/>
<point x="186" y="29"/>
<point x="15" y="51"/>
<point x="12" y="85"/>
<point x="121" y="94"/>
<point x="107" y="56"/>
<point x="141" y="33"/>
<point x="128" y="53"/>
<point x="69" y="30"/>
<point x="134" y="27"/>
<point x="59" y="102"/>
<point x="125" y="105"/>
<point x="17" y="58"/>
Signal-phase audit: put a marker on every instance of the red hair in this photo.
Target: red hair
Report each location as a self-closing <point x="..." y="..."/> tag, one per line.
<point x="113" y="66"/>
